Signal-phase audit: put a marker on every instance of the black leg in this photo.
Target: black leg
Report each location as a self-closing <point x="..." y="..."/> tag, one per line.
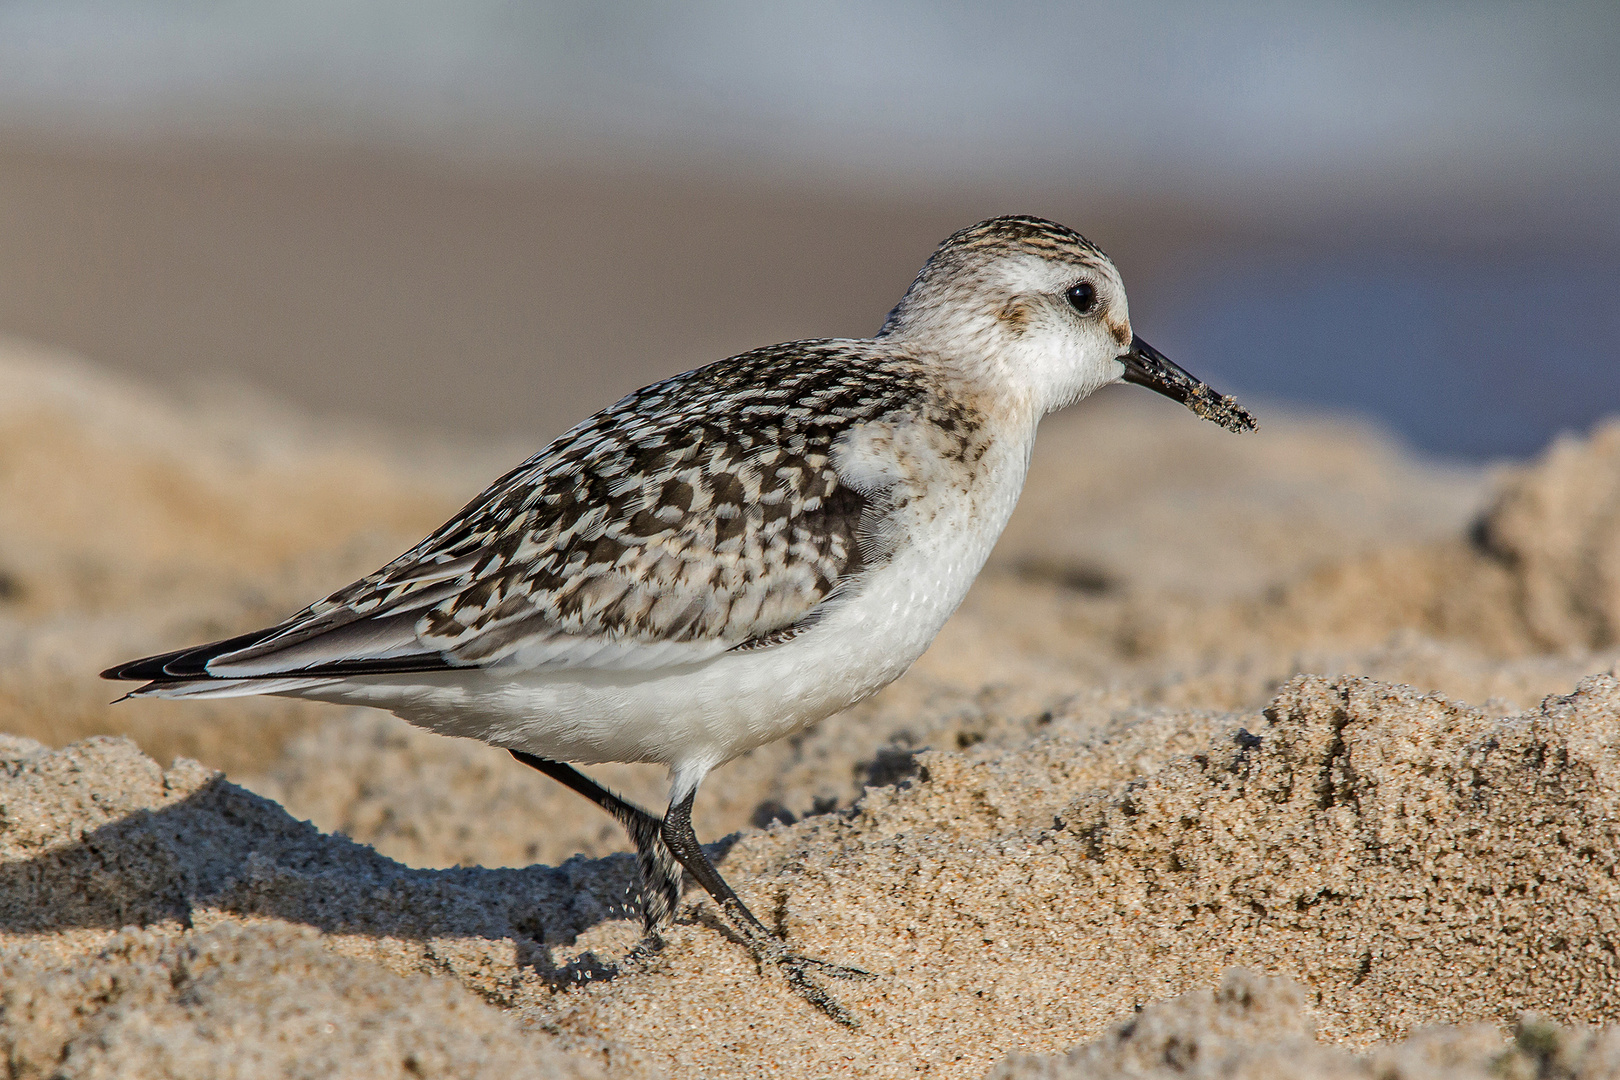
<point x="663" y="847"/>
<point x="660" y="873"/>
<point x="682" y="842"/>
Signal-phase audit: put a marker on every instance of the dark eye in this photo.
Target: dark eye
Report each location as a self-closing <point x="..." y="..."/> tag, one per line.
<point x="1082" y="297"/>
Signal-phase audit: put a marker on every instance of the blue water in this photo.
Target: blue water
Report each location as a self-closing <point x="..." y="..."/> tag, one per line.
<point x="1463" y="358"/>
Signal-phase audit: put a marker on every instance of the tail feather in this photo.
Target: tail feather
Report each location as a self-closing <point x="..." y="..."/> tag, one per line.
<point x="224" y="688"/>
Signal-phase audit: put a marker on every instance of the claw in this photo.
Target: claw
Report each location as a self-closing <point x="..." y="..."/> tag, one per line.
<point x="767" y="948"/>
<point x="817" y="995"/>
<point x="833" y="971"/>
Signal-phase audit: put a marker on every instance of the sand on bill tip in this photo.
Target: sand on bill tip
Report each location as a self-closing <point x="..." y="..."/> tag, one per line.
<point x="1283" y="748"/>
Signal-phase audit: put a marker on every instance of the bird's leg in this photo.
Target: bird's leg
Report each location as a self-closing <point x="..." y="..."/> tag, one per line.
<point x="663" y="847"/>
<point x="766" y="945"/>
<point x="660" y="873"/>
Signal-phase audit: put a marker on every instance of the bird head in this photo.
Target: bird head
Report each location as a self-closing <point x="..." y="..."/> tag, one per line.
<point x="1034" y="310"/>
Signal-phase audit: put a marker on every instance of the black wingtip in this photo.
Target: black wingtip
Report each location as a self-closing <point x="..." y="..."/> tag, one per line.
<point x="144" y="669"/>
<point x="182" y="664"/>
<point x="190" y="665"/>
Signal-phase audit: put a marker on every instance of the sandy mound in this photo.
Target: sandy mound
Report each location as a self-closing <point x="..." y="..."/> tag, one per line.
<point x="1408" y="860"/>
<point x="1251" y="1028"/>
<point x="241" y="1001"/>
<point x="1104" y="787"/>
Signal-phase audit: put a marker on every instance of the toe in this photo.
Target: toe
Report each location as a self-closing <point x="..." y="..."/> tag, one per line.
<point x="831" y="970"/>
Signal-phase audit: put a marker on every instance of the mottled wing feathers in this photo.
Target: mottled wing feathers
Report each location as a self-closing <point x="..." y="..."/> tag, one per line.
<point x="699" y="514"/>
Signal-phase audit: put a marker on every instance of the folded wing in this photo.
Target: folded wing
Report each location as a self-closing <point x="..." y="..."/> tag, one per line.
<point x="646" y="537"/>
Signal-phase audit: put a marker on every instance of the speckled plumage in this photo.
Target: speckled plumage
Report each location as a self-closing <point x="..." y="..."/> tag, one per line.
<point x="704" y="508"/>
<point x="703" y="511"/>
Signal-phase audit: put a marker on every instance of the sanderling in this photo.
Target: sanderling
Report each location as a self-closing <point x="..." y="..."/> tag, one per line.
<point x="729" y="555"/>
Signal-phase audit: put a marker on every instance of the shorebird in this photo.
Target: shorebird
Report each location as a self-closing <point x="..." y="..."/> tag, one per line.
<point x="727" y="556"/>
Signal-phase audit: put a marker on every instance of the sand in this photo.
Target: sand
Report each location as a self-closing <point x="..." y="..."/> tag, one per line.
<point x="1284" y="748"/>
<point x="1253" y="1027"/>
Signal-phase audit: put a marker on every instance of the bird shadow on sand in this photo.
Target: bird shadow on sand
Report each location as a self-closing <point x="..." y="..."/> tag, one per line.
<point x="226" y="850"/>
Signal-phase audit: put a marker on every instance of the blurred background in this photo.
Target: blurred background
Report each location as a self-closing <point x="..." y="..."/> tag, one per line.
<point x="488" y="219"/>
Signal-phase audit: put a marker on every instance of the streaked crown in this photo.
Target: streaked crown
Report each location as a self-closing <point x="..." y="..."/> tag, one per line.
<point x="970" y="258"/>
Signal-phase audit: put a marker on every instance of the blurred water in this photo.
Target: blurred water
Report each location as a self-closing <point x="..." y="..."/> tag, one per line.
<point x="1146" y="94"/>
<point x="1463" y="357"/>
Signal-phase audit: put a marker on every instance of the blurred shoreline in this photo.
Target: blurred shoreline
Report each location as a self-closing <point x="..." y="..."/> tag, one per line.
<point x="508" y="299"/>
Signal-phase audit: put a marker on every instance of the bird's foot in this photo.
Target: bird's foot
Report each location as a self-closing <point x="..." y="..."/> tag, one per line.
<point x="827" y="968"/>
<point x="767" y="948"/>
<point x="816" y="994"/>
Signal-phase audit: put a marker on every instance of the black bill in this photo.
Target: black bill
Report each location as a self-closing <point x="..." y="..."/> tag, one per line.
<point x="1147" y="366"/>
